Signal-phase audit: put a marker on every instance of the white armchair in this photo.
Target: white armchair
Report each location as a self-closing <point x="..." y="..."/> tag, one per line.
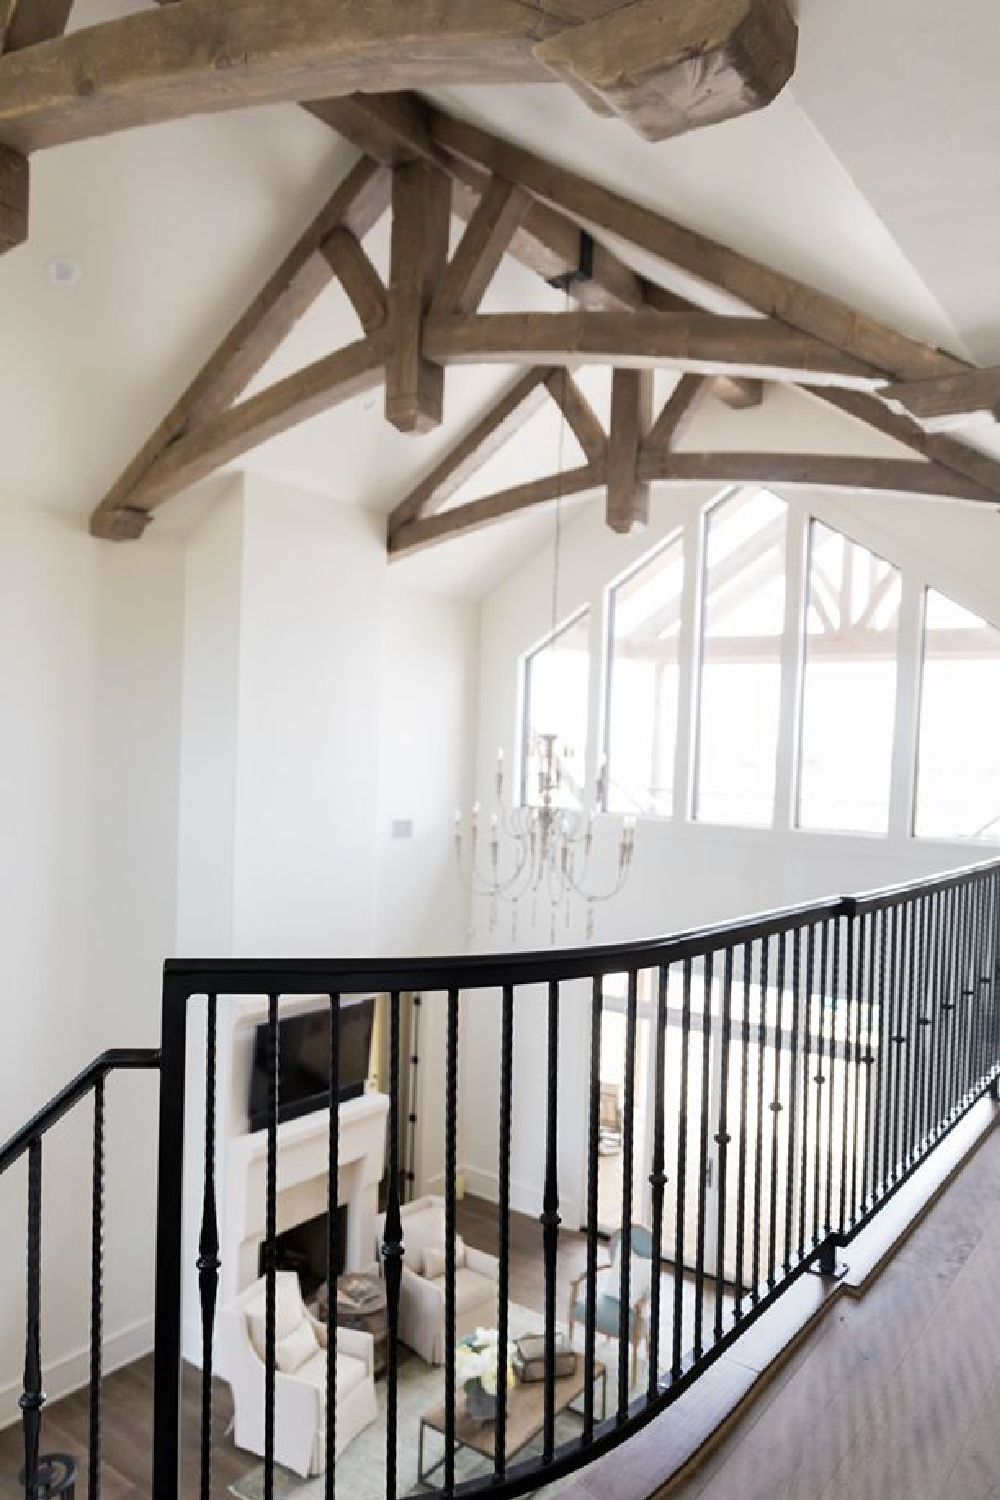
<point x="299" y="1387"/>
<point x="421" y="1296"/>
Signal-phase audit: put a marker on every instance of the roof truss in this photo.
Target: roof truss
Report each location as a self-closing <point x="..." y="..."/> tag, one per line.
<point x="424" y="166"/>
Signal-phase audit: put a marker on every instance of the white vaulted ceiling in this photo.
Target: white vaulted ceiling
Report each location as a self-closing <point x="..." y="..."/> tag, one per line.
<point x="873" y="177"/>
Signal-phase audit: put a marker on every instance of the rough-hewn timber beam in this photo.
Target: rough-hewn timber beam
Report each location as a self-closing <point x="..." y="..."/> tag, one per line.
<point x="978" y="468"/>
<point x="220" y="439"/>
<point x="741" y="395"/>
<point x="13" y="199"/>
<point x="421" y="211"/>
<point x="900" y="476"/>
<point x="664" y="68"/>
<point x="394" y="128"/>
<point x="770" y="292"/>
<point x="820" y="471"/>
<point x="356" y="204"/>
<point x="631" y="419"/>
<point x="206" y="55"/>
<point x="716" y="59"/>
<point x="583" y="420"/>
<point x="950" y="395"/>
<point x="32" y="21"/>
<point x="487" y="235"/>
<point x="516" y="407"/>
<point x="351" y="265"/>
<point x="700" y="343"/>
<point x="479" y="513"/>
<point x="678" y="409"/>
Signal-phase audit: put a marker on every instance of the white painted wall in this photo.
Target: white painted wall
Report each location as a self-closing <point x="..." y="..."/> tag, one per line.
<point x="321" y="703"/>
<point x="90" y="687"/>
<point x="688" y="874"/>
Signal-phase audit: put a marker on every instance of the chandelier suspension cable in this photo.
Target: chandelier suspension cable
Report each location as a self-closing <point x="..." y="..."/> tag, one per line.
<point x="547" y="842"/>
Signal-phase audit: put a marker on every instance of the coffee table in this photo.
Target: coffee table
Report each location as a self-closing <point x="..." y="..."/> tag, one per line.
<point x="525" y="1418"/>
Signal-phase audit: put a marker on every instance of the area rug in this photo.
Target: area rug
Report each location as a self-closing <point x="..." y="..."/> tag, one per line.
<point x="361" y="1466"/>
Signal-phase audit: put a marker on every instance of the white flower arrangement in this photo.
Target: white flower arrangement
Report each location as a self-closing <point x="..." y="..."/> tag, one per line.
<point x="477" y="1358"/>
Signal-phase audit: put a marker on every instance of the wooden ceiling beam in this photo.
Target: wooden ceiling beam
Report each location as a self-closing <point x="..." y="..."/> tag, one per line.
<point x="586" y="425"/>
<point x="978" y="468"/>
<point x="421" y="213"/>
<point x="665" y="69"/>
<point x="205" y="55"/>
<point x="482" y="247"/>
<point x="515" y="408"/>
<point x="678" y="409"/>
<point x="668" y="69"/>
<point x="770" y="292"/>
<point x="7" y="8"/>
<point x="821" y="471"/>
<point x="395" y="128"/>
<point x="32" y="21"/>
<point x="14" y="192"/>
<point x="476" y="514"/>
<point x="631" y="419"/>
<point x="700" y="343"/>
<point x="356" y="204"/>
<point x="740" y="395"/>
<point x="227" y="436"/>
<point x="352" y="267"/>
<point x="963" y="392"/>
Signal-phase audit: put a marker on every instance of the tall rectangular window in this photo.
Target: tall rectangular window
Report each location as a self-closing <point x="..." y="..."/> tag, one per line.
<point x="958" y="767"/>
<point x="743" y="623"/>
<point x="555" y="696"/>
<point x="644" y="630"/>
<point x="849" y="688"/>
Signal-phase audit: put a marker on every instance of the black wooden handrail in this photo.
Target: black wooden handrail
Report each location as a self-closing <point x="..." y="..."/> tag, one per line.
<point x="117" y="1059"/>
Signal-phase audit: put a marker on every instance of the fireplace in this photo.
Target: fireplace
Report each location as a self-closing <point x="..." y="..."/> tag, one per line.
<point x="303" y="1249"/>
<point x="303" y="1157"/>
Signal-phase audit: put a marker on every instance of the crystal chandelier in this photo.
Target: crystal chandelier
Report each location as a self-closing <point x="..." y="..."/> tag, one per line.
<point x="546" y="861"/>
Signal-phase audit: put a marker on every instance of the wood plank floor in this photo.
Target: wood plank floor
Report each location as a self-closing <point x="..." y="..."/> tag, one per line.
<point x="896" y="1395"/>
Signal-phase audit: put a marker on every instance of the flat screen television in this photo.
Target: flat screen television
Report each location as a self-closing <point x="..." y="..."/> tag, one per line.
<point x="304" y="1061"/>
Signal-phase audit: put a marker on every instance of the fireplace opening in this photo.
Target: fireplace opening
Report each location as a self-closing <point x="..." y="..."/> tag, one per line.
<point x="303" y="1249"/>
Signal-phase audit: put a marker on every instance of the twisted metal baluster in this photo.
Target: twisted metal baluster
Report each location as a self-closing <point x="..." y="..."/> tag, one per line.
<point x="593" y="1143"/>
<point x="550" y="1221"/>
<point x="270" y="1234"/>
<point x="33" y="1397"/>
<point x="392" y="1254"/>
<point x="208" y="1251"/>
<point x="450" y="1173"/>
<point x="658" y="1182"/>
<point x="503" y="1288"/>
<point x="332" y="1249"/>
<point x="96" y="1297"/>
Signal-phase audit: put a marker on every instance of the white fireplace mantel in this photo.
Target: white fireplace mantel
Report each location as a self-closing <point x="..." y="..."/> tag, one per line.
<point x="303" y="1155"/>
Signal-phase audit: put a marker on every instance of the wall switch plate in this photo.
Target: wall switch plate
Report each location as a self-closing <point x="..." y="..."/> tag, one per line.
<point x="402" y="828"/>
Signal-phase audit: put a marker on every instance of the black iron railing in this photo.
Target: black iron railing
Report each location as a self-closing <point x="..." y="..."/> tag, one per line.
<point x="801" y="1066"/>
<point x="29" y="1142"/>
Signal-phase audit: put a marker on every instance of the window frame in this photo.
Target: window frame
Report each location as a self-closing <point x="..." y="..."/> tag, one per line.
<point x="524" y="697"/>
<point x="812" y="520"/>
<point x="675" y="535"/>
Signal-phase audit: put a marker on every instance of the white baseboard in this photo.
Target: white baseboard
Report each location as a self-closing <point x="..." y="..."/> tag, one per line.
<point x="71" y="1373"/>
<point x="525" y="1198"/>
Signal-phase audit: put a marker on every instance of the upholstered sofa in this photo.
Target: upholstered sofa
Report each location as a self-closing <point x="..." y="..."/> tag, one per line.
<point x="300" y="1377"/>
<point x="422" y="1291"/>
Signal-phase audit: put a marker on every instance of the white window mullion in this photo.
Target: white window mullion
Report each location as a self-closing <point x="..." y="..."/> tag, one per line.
<point x="907" y="725"/>
<point x="689" y="656"/>
<point x="792" y="664"/>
